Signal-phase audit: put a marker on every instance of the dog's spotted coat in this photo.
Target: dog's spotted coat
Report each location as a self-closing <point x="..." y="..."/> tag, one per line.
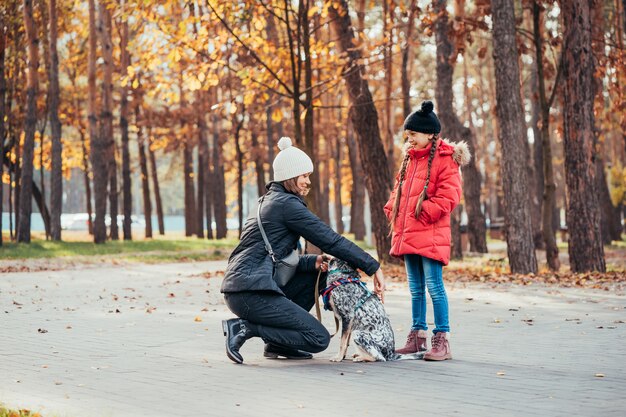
<point x="366" y="322"/>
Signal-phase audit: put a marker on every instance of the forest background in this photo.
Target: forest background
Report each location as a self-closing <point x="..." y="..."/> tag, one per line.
<point x="123" y="108"/>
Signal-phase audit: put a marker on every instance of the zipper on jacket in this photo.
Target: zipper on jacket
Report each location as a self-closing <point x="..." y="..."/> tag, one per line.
<point x="406" y="205"/>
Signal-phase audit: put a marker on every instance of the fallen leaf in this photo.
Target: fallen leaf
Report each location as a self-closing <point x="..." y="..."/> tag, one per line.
<point x="198" y="318"/>
<point x="599" y="375"/>
<point x="501" y="373"/>
<point x="42" y="331"/>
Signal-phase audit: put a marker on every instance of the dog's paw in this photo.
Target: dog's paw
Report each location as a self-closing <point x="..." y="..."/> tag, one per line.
<point x="337" y="358"/>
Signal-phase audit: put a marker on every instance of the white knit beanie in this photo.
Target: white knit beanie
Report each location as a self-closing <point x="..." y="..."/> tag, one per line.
<point x="290" y="162"/>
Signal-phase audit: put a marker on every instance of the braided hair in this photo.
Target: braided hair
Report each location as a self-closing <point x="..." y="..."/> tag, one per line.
<point x="423" y="196"/>
<point x="396" y="203"/>
<point x="431" y="156"/>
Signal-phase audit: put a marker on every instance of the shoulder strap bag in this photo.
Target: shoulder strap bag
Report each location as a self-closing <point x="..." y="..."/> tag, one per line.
<point x="285" y="268"/>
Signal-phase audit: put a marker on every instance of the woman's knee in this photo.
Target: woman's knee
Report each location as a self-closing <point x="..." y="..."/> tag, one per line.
<point x="319" y="340"/>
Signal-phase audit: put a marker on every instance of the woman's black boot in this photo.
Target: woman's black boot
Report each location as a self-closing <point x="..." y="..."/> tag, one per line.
<point x="236" y="334"/>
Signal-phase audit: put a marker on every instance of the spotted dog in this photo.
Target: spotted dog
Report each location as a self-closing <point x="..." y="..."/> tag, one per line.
<point x="361" y="314"/>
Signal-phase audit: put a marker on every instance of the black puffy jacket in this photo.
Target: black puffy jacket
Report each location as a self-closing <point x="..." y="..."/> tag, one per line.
<point x="285" y="218"/>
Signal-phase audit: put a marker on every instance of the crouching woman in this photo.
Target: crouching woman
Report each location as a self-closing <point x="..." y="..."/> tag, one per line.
<point x="279" y="314"/>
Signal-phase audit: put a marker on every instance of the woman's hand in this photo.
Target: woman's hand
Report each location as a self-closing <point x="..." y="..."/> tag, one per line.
<point x="379" y="284"/>
<point x="321" y="263"/>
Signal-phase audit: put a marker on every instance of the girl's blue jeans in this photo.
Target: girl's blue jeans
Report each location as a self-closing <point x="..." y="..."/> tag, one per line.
<point x="425" y="273"/>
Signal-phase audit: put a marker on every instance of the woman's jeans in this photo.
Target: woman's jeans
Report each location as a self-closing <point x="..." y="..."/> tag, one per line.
<point x="283" y="320"/>
<point x="425" y="273"/>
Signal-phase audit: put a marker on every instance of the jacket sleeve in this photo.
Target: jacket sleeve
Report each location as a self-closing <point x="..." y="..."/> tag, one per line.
<point x="447" y="193"/>
<point x="307" y="263"/>
<point x="300" y="220"/>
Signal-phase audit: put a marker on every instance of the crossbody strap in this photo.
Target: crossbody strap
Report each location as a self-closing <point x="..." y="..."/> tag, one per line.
<point x="268" y="247"/>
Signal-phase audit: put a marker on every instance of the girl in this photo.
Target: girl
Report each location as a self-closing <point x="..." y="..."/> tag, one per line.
<point x="279" y="314"/>
<point x="427" y="189"/>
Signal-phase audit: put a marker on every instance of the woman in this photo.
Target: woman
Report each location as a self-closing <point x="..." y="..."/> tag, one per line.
<point x="279" y="315"/>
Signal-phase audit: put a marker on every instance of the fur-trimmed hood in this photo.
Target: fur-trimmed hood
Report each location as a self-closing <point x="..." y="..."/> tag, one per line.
<point x="459" y="150"/>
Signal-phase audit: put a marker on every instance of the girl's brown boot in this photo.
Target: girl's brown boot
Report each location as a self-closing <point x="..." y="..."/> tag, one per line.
<point x="415" y="342"/>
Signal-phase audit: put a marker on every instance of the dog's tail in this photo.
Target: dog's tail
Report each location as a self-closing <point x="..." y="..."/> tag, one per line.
<point x="408" y="356"/>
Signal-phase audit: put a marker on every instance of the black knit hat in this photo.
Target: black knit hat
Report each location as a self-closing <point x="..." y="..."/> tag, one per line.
<point x="423" y="120"/>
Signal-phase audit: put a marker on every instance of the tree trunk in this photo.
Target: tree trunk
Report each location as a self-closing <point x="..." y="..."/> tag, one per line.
<point x="3" y="89"/>
<point x="98" y="148"/>
<point x="406" y="53"/>
<point x="583" y="214"/>
<point x="388" y="24"/>
<point x="257" y="156"/>
<point x="239" y="158"/>
<point x="26" y="178"/>
<point x="548" y="184"/>
<point x="86" y="179"/>
<point x="365" y="121"/>
<point x="204" y="189"/>
<point x="56" y="176"/>
<point x="476" y="227"/>
<point x="208" y="175"/>
<point x="190" y="204"/>
<point x="219" y="208"/>
<point x="143" y="164"/>
<point x="200" y="200"/>
<point x="106" y="113"/>
<point x="518" y="227"/>
<point x="269" y="127"/>
<point x="357" y="204"/>
<point x="155" y="184"/>
<point x="537" y="186"/>
<point x="337" y="188"/>
<point x="126" y="179"/>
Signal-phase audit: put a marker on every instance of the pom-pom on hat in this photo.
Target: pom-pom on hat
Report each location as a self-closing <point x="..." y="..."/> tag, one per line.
<point x="290" y="162"/>
<point x="423" y="120"/>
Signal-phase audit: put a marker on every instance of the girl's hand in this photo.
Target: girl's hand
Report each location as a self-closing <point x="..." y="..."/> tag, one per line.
<point x="321" y="263"/>
<point x="379" y="284"/>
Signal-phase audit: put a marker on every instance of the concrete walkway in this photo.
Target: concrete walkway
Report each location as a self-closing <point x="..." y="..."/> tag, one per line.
<point x="146" y="340"/>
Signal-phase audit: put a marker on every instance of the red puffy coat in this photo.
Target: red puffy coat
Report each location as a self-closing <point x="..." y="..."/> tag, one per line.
<point x="429" y="234"/>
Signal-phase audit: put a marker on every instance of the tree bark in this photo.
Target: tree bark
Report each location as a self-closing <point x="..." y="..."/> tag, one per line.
<point x="548" y="184"/>
<point x="56" y="176"/>
<point x="191" y="222"/>
<point x="239" y="158"/>
<point x="155" y="184"/>
<point x="453" y="127"/>
<point x="388" y="24"/>
<point x="219" y="207"/>
<point x="357" y="204"/>
<point x="406" y="53"/>
<point x="314" y="198"/>
<point x="365" y="121"/>
<point x="126" y="179"/>
<point x="3" y="89"/>
<point x="143" y="164"/>
<point x="200" y="199"/>
<point x="583" y="215"/>
<point x="518" y="227"/>
<point x="337" y="188"/>
<point x="86" y="180"/>
<point x="26" y="178"/>
<point x="106" y="113"/>
<point x="98" y="148"/>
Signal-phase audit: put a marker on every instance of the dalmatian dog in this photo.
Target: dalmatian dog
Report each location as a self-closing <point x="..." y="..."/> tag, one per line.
<point x="361" y="314"/>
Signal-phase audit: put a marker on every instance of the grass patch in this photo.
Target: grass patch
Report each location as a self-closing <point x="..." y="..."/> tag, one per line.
<point x="155" y="249"/>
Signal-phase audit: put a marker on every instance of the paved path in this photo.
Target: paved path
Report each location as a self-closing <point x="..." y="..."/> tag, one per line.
<point x="145" y="340"/>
